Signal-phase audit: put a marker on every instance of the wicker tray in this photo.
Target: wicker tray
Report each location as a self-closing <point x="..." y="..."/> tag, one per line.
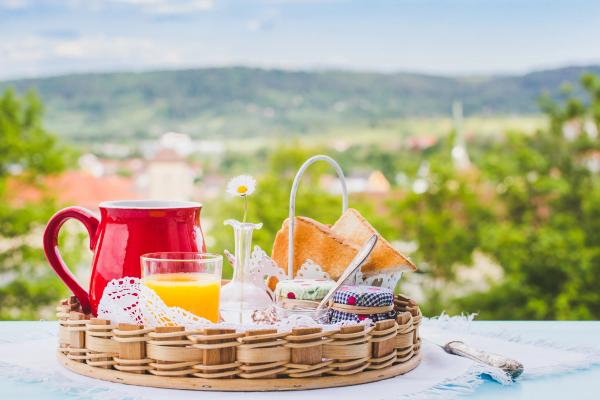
<point x="225" y="360"/>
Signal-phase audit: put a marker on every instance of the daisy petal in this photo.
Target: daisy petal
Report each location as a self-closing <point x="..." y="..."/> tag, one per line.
<point x="240" y="186"/>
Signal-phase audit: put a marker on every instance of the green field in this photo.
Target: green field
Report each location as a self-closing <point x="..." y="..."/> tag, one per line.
<point x="225" y="103"/>
<point x="392" y="134"/>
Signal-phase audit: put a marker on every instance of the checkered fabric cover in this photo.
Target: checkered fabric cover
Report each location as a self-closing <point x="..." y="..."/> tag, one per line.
<point x="365" y="296"/>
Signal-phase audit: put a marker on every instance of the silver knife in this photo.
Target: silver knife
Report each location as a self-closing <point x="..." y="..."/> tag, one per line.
<point x="358" y="260"/>
<point x="456" y="347"/>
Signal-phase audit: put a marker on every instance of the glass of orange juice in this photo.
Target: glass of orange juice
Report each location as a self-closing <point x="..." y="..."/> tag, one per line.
<point x="188" y="280"/>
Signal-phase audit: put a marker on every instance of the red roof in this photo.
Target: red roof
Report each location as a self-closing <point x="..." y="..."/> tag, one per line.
<point x="75" y="188"/>
<point x="167" y="155"/>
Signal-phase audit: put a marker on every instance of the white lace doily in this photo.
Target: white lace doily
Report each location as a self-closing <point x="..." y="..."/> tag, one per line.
<point x="387" y="280"/>
<point x="260" y="268"/>
<point x="127" y="300"/>
<point x="312" y="270"/>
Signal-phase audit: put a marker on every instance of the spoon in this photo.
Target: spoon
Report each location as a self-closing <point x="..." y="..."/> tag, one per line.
<point x="356" y="263"/>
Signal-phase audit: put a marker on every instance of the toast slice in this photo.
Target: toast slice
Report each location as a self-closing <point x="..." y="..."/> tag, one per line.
<point x="354" y="228"/>
<point x="314" y="240"/>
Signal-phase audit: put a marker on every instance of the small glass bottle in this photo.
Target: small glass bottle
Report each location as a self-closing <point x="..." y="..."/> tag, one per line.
<point x="241" y="297"/>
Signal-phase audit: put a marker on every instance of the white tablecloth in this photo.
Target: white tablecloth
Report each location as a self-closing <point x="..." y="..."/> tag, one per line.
<point x="32" y="357"/>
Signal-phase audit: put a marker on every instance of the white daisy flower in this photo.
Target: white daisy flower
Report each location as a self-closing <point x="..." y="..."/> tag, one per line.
<point x="241" y="186"/>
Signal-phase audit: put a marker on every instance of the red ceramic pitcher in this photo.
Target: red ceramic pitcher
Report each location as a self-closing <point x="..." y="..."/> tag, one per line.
<point x="125" y="231"/>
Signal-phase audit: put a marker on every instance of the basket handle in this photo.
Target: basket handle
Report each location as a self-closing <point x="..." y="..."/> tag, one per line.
<point x="295" y="185"/>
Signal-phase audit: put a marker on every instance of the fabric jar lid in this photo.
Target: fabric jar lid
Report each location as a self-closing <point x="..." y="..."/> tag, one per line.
<point x="364" y="296"/>
<point x="361" y="297"/>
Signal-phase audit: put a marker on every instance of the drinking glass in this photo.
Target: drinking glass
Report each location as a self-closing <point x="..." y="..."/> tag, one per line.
<point x="188" y="280"/>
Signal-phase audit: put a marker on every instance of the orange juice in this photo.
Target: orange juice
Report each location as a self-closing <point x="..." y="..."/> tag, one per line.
<point x="197" y="293"/>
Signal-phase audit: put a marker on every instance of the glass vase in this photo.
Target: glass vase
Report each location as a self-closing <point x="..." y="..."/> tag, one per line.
<point x="241" y="297"/>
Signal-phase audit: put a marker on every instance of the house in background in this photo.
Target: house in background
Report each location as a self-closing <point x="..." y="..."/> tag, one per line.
<point x="167" y="176"/>
<point x="373" y="182"/>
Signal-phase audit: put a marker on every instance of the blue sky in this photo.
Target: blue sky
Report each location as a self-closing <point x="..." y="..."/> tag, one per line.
<point x="49" y="37"/>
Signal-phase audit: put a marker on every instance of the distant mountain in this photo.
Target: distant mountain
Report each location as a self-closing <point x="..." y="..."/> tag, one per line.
<point x="241" y="102"/>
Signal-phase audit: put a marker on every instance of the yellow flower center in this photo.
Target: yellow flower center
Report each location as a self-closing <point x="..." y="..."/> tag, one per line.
<point x="242" y="189"/>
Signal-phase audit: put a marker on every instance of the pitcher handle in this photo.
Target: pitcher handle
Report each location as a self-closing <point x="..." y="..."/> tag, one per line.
<point x="91" y="222"/>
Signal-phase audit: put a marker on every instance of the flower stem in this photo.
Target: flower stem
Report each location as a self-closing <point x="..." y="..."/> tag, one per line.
<point x="245" y="208"/>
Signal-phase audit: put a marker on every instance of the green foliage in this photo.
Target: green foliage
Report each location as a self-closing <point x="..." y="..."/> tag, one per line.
<point x="444" y="221"/>
<point x="546" y="234"/>
<point x="27" y="153"/>
<point x="530" y="202"/>
<point x="239" y="102"/>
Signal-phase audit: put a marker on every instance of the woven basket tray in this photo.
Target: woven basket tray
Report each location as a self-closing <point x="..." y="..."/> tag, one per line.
<point x="225" y="360"/>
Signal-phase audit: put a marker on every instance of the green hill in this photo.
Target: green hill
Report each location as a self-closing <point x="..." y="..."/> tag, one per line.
<point x="243" y="102"/>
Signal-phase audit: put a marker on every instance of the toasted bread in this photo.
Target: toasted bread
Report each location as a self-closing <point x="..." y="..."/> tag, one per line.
<point x="315" y="241"/>
<point x="354" y="228"/>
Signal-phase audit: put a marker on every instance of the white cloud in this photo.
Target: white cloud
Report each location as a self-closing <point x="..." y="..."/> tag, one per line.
<point x="157" y="7"/>
<point x="35" y="48"/>
<point x="13" y="4"/>
<point x="264" y="22"/>
<point x="115" y="48"/>
<point x="284" y="2"/>
<point x="170" y="7"/>
<point x="31" y="54"/>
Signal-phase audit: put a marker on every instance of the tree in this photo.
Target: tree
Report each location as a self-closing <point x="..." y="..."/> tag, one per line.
<point x="547" y="239"/>
<point x="28" y="153"/>
<point x="531" y="202"/>
<point x="444" y="217"/>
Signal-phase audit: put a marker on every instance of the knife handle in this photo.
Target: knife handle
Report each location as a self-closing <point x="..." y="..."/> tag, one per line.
<point x="512" y="367"/>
